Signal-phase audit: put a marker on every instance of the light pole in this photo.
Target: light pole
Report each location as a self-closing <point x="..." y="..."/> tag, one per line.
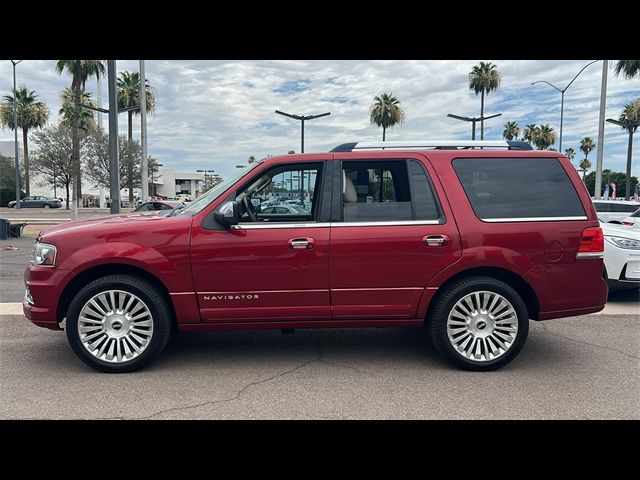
<point x="15" y="131"/>
<point x="562" y="100"/>
<point x="302" y="119"/>
<point x="630" y="127"/>
<point x="473" y="121"/>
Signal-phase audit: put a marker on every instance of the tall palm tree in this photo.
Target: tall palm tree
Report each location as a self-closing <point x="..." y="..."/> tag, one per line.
<point x="511" y="131"/>
<point x="629" y="68"/>
<point x="545" y="137"/>
<point x="128" y="86"/>
<point x="31" y="113"/>
<point x="587" y="145"/>
<point x="570" y="153"/>
<point x="484" y="78"/>
<point x="630" y="117"/>
<point x="67" y="109"/>
<point x="386" y="112"/>
<point x="251" y="159"/>
<point x="530" y="133"/>
<point x="80" y="71"/>
<point x="584" y="166"/>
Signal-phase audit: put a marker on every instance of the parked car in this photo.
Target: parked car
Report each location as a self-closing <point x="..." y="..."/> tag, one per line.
<point x="412" y="234"/>
<point x="615" y="211"/>
<point x="37" y="201"/>
<point x="158" y="205"/>
<point x="283" y="210"/>
<point x="633" y="220"/>
<point x="621" y="256"/>
<point x="183" y="197"/>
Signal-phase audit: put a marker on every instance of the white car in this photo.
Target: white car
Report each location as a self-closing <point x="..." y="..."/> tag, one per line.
<point x="614" y="211"/>
<point x="621" y="256"/>
<point x="633" y="221"/>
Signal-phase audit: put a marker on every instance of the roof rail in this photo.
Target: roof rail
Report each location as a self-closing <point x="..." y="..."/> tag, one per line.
<point x="433" y="144"/>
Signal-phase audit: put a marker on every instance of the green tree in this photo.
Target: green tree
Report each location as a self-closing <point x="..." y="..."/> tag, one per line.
<point x="86" y="121"/>
<point x="630" y="119"/>
<point x="8" y="181"/>
<point x="530" y="133"/>
<point x="251" y="159"/>
<point x="386" y="112"/>
<point x="619" y="178"/>
<point x="483" y="79"/>
<point x="80" y="71"/>
<point x="584" y="166"/>
<point x="97" y="153"/>
<point x="511" y="131"/>
<point x="629" y="68"/>
<point x="53" y="158"/>
<point x="545" y="137"/>
<point x="31" y="113"/>
<point x="128" y="86"/>
<point x="570" y="153"/>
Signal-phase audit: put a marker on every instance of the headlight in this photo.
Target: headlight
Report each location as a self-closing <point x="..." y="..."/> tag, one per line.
<point x="624" y="242"/>
<point x="43" y="254"/>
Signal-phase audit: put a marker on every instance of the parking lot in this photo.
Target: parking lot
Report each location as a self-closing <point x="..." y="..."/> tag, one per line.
<point x="574" y="368"/>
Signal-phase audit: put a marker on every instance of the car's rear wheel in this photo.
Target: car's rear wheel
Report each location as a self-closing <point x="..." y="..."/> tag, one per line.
<point x="118" y="323"/>
<point x="479" y="323"/>
<point x="46" y="205"/>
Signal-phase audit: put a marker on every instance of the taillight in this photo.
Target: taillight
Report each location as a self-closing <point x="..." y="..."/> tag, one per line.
<point x="591" y="243"/>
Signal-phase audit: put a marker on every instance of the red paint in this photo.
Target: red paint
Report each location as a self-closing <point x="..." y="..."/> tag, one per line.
<point x="339" y="276"/>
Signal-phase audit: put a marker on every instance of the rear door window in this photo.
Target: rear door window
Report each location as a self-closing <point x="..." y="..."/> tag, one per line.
<point x="514" y="189"/>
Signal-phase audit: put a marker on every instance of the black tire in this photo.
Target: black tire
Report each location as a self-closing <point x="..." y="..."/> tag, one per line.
<point x="155" y="301"/>
<point x="46" y="205"/>
<point x="447" y="298"/>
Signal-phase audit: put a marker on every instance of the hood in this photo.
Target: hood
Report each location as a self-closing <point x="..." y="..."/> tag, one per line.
<point x="620" y="230"/>
<point x="125" y="221"/>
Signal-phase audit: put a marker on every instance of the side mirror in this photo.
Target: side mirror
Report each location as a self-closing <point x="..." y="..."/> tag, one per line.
<point x="228" y="214"/>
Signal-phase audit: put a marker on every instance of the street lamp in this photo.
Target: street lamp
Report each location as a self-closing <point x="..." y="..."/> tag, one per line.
<point x="302" y="119"/>
<point x="473" y="121"/>
<point x="630" y="127"/>
<point x="15" y="132"/>
<point x="562" y="92"/>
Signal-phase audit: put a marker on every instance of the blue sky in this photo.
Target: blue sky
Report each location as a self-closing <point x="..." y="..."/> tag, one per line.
<point x="215" y="114"/>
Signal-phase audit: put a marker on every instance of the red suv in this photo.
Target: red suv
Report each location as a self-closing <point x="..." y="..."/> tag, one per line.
<point x="469" y="239"/>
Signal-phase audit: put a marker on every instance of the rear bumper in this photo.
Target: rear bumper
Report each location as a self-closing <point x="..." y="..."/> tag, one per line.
<point x="45" y="286"/>
<point x="566" y="290"/>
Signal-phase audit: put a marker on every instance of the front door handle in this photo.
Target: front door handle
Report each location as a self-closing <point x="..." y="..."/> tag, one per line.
<point x="301" y="243"/>
<point x="436" y="240"/>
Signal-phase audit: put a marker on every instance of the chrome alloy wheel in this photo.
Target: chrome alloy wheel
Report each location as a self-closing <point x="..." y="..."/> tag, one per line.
<point x="115" y="326"/>
<point x="482" y="326"/>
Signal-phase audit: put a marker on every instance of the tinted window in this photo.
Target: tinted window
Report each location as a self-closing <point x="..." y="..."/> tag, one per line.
<point x="602" y="207"/>
<point x="502" y="188"/>
<point x="623" y="207"/>
<point x="161" y="206"/>
<point x="425" y="204"/>
<point x="636" y="214"/>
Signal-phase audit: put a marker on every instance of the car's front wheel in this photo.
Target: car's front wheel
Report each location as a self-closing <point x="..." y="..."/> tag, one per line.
<point x="118" y="323"/>
<point x="46" y="205"/>
<point x="479" y="323"/>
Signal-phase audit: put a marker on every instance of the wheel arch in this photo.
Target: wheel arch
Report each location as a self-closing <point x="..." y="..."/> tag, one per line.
<point x="95" y="272"/>
<point x="521" y="286"/>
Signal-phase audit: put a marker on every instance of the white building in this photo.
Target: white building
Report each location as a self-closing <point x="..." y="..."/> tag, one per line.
<point x="171" y="183"/>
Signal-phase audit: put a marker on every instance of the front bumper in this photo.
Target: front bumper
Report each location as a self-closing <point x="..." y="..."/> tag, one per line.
<point x="44" y="285"/>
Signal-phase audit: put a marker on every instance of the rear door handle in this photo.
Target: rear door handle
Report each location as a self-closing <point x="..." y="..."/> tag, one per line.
<point x="436" y="240"/>
<point x="301" y="243"/>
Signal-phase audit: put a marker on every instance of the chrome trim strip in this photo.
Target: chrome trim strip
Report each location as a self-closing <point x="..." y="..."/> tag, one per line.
<point x="533" y="219"/>
<point x="590" y="255"/>
<point x="269" y="225"/>
<point x="386" y="224"/>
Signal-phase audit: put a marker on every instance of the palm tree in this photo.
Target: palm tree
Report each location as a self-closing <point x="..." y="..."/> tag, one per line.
<point x="511" y="131"/>
<point x="630" y="118"/>
<point x="484" y="78"/>
<point x="67" y="110"/>
<point x="584" y="166"/>
<point x="629" y="68"/>
<point x="530" y="133"/>
<point x="545" y="137"/>
<point x="586" y="145"/>
<point x="30" y="114"/>
<point x="386" y="112"/>
<point x="251" y="159"/>
<point x="128" y="86"/>
<point x="570" y="153"/>
<point x="80" y="70"/>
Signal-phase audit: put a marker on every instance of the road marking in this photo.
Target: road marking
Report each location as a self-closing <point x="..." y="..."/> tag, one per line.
<point x="632" y="308"/>
<point x="11" y="308"/>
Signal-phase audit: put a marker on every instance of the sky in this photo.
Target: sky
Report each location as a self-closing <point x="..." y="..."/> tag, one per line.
<point x="215" y="114"/>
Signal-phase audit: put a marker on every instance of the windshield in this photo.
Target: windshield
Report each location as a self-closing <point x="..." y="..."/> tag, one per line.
<point x="204" y="200"/>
